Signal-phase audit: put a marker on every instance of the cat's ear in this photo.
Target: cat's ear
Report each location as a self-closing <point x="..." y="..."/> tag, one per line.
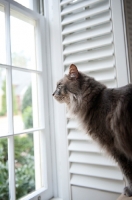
<point x="73" y="71"/>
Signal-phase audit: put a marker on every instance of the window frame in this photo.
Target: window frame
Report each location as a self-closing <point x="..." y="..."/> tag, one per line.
<point x="40" y="41"/>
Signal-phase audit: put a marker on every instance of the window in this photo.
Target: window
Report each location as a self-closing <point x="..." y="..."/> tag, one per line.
<point x="26" y="3"/>
<point x="23" y="153"/>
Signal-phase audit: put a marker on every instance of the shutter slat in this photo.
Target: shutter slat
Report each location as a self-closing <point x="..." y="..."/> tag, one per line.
<point x="97" y="183"/>
<point x="110" y="83"/>
<point x="108" y="74"/>
<point x="65" y="2"/>
<point x="91" y="158"/>
<point x="76" y="6"/>
<point x="77" y="135"/>
<point x="98" y="65"/>
<point x="96" y="171"/>
<point x="90" y="55"/>
<point x="72" y="124"/>
<point x="91" y="33"/>
<point x="83" y="146"/>
<point x="90" y="44"/>
<point x="99" y="8"/>
<point x="99" y="19"/>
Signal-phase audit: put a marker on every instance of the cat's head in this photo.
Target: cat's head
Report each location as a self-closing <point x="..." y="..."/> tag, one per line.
<point x="68" y="88"/>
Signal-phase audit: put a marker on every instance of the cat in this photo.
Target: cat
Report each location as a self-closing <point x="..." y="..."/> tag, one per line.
<point x="105" y="114"/>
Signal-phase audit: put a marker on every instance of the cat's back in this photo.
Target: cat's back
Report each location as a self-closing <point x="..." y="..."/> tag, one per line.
<point x="123" y="96"/>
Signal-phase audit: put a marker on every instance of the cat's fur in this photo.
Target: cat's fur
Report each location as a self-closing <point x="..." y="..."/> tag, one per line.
<point x="105" y="114"/>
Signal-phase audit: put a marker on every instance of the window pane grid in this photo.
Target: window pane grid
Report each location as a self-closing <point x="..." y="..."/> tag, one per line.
<point x="9" y="106"/>
<point x="29" y="131"/>
<point x="39" y="94"/>
<point x="11" y="134"/>
<point x="20" y="68"/>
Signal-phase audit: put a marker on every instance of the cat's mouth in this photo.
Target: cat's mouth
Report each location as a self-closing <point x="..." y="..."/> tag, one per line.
<point x="59" y="98"/>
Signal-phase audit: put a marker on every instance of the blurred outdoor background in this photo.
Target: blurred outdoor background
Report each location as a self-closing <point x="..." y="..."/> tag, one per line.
<point x="23" y="55"/>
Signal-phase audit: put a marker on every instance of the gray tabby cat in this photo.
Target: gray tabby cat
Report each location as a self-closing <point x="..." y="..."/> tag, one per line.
<point x="105" y="114"/>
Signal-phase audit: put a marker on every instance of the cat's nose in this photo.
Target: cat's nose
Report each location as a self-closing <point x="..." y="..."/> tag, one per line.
<point x="53" y="94"/>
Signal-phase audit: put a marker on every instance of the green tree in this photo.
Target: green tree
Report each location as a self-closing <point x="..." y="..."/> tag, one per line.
<point x="27" y="109"/>
<point x="24" y="166"/>
<point x="4" y="108"/>
<point x="4" y="185"/>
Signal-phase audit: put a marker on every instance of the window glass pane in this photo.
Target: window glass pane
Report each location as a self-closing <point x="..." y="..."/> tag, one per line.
<point x="25" y="103"/>
<point x="3" y="108"/>
<point x="22" y="41"/>
<point x="25" y="167"/>
<point x="4" y="183"/>
<point x="26" y="3"/>
<point x="2" y="35"/>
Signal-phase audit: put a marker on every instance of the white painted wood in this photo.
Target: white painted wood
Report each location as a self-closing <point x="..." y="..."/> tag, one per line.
<point x="96" y="171"/>
<point x="83" y="146"/>
<point x="91" y="158"/>
<point x="56" y="199"/>
<point x="96" y="65"/>
<point x="90" y="33"/>
<point x="97" y="183"/>
<point x="97" y="20"/>
<point x="90" y="55"/>
<point x="126" y="10"/>
<point x="77" y="135"/>
<point x="119" y="42"/>
<point x="58" y="112"/>
<point x="99" y="8"/>
<point x="83" y="193"/>
<point x="7" y="66"/>
<point x="76" y="6"/>
<point x="11" y="160"/>
<point x="89" y="44"/>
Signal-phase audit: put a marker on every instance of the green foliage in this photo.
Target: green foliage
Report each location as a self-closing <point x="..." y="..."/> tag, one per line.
<point x="4" y="193"/>
<point x="4" y="185"/>
<point x="3" y="111"/>
<point x="27" y="99"/>
<point x="27" y="117"/>
<point x="23" y="144"/>
<point x="24" y="155"/>
<point x="25" y="180"/>
<point x="15" y="106"/>
<point x="24" y="166"/>
<point x="27" y="109"/>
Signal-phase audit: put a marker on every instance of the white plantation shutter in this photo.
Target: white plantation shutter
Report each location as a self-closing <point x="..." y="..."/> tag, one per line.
<point x="88" y="42"/>
<point x="128" y="20"/>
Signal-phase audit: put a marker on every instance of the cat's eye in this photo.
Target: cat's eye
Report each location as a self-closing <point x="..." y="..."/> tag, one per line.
<point x="59" y="85"/>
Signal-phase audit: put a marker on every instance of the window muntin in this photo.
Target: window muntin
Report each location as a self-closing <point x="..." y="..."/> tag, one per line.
<point x="37" y="130"/>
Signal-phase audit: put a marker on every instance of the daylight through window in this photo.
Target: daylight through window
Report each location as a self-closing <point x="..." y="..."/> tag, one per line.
<point x="21" y="103"/>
